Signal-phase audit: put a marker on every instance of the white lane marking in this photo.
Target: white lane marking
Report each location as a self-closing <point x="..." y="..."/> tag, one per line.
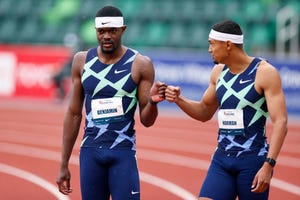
<point x="171" y="187"/>
<point x="169" y="158"/>
<point x="7" y="169"/>
<point x="286" y="186"/>
<point x="55" y="156"/>
<point x="289" y="161"/>
<point x="173" y="159"/>
<point x="144" y="142"/>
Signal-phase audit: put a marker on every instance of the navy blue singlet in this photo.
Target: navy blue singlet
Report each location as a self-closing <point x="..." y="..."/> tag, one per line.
<point x="102" y="81"/>
<point x="237" y="91"/>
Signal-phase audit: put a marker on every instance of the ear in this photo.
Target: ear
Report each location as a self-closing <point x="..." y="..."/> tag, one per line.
<point x="229" y="45"/>
<point x="124" y="28"/>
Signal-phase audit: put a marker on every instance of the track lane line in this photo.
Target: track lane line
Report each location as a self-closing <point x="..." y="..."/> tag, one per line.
<point x="146" y="154"/>
<point x="55" y="156"/>
<point x="13" y="171"/>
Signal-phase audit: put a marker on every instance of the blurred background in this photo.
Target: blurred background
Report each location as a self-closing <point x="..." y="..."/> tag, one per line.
<point x="152" y="23"/>
<point x="38" y="39"/>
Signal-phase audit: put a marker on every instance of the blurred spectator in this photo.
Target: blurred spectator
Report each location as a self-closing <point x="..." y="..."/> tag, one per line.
<point x="61" y="79"/>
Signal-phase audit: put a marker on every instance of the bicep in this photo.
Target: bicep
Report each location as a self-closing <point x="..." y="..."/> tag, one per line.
<point x="209" y="101"/>
<point x="272" y="89"/>
<point x="77" y="96"/>
<point x="209" y="98"/>
<point x="143" y="91"/>
<point x="275" y="99"/>
<point x="146" y="78"/>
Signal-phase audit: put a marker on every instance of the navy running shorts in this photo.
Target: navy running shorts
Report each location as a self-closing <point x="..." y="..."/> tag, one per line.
<point x="229" y="177"/>
<point x="105" y="172"/>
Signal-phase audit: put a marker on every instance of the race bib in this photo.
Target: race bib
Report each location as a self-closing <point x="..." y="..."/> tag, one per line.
<point x="231" y="121"/>
<point x="108" y="110"/>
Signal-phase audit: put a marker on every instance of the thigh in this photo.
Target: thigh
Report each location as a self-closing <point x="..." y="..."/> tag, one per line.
<point x="249" y="167"/>
<point x="93" y="175"/>
<point x="219" y="183"/>
<point x="123" y="176"/>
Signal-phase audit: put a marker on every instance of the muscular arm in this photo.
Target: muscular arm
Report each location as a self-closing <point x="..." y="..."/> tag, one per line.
<point x="74" y="112"/>
<point x="277" y="111"/>
<point x="268" y="81"/>
<point x="143" y="73"/>
<point x="202" y="110"/>
<point x="72" y="123"/>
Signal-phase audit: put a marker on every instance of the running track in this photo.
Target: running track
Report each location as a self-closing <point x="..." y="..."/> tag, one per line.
<point x="173" y="155"/>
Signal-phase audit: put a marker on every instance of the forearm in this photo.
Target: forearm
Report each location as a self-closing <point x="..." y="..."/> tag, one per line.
<point x="70" y="132"/>
<point x="194" y="109"/>
<point x="277" y="138"/>
<point x="149" y="114"/>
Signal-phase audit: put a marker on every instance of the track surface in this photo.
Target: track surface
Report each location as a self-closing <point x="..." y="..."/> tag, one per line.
<point x="173" y="155"/>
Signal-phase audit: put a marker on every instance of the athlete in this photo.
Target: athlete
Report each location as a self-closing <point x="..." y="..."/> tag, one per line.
<point x="245" y="90"/>
<point x="109" y="80"/>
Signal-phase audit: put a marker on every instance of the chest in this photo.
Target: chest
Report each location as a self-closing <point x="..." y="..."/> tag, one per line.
<point x="236" y="90"/>
<point x="100" y="80"/>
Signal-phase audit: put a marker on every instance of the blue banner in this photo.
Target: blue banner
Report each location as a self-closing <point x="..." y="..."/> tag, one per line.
<point x="290" y="77"/>
<point x="193" y="75"/>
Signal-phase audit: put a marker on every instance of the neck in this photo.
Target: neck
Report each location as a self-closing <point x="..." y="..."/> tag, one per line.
<point x="113" y="57"/>
<point x="239" y="63"/>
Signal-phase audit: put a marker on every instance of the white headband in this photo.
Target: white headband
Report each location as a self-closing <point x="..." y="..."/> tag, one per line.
<point x="237" y="39"/>
<point x="102" y="22"/>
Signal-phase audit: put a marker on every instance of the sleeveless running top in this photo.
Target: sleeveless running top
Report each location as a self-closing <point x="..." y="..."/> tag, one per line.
<point x="242" y="113"/>
<point x="110" y="102"/>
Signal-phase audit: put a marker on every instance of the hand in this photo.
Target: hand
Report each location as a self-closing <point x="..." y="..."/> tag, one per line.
<point x="172" y="93"/>
<point x="157" y="92"/>
<point x="63" y="181"/>
<point x="262" y="179"/>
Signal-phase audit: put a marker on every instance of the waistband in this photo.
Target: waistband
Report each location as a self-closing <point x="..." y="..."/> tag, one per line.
<point x="255" y="152"/>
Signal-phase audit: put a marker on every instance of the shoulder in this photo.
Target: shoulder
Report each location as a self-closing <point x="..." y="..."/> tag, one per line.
<point x="267" y="71"/>
<point x="265" y="66"/>
<point x="81" y="55"/>
<point x="216" y="71"/>
<point x="218" y="68"/>
<point x="142" y="68"/>
<point x="142" y="60"/>
<point x="79" y="60"/>
<point x="142" y="64"/>
<point x="267" y="75"/>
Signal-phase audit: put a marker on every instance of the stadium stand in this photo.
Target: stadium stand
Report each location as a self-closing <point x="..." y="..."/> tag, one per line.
<point x="151" y="23"/>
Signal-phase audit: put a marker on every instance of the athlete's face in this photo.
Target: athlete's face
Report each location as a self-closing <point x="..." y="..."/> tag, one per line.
<point x="218" y="50"/>
<point x="109" y="39"/>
